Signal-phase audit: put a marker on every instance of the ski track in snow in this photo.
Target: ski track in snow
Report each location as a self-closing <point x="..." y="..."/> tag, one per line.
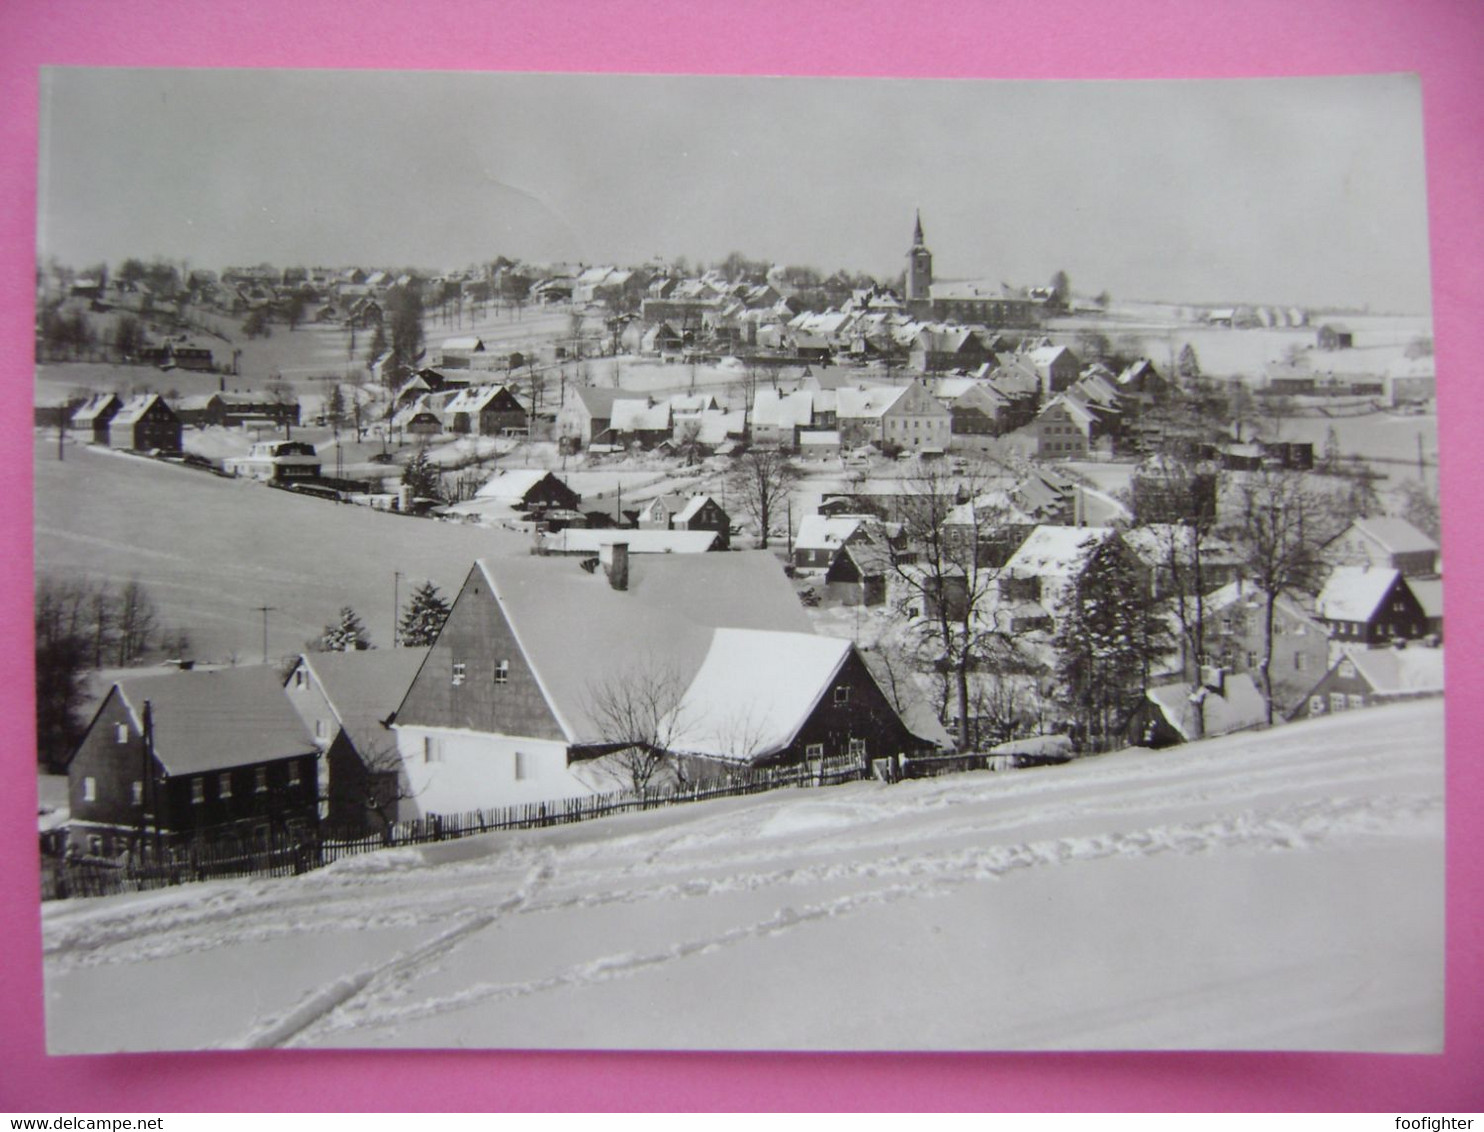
<point x="1299" y="827"/>
<point x="838" y="851"/>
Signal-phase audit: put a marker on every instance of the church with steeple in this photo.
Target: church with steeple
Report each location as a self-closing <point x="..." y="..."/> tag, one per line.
<point x="970" y="302"/>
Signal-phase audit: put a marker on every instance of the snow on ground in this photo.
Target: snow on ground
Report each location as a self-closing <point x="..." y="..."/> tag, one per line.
<point x="1275" y="890"/>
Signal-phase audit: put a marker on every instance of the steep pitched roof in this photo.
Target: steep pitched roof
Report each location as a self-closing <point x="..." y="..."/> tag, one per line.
<point x="512" y="485"/>
<point x="228" y="717"/>
<point x="1353" y="593"/>
<point x="364" y="689"/>
<point x="754" y="690"/>
<point x="573" y="627"/>
<point x="134" y="409"/>
<point x="1238" y="707"/>
<point x="822" y="532"/>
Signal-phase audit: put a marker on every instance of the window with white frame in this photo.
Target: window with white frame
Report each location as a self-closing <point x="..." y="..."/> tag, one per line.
<point x="842" y="693"/>
<point x="260" y="780"/>
<point x="198" y="790"/>
<point x="858" y="748"/>
<point x="1355" y="701"/>
<point x="224" y="784"/>
<point x="1337" y="701"/>
<point x="814" y="751"/>
<point x="459" y="668"/>
<point x="502" y="672"/>
<point x="121" y="733"/>
<point x="1316" y="705"/>
<point x="89" y="789"/>
<point x="294" y="772"/>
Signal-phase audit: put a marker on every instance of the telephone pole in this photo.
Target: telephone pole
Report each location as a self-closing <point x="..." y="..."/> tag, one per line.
<point x="265" y="610"/>
<point x="396" y="597"/>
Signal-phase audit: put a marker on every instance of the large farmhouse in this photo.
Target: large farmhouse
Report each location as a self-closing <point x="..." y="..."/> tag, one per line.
<point x="517" y="700"/>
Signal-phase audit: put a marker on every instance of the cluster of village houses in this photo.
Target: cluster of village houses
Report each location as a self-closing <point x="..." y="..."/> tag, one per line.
<point x="507" y="706"/>
<point x="516" y="700"/>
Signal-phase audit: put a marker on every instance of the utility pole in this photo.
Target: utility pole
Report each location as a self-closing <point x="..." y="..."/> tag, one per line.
<point x="396" y="597"/>
<point x="265" y="610"/>
<point x="62" y="434"/>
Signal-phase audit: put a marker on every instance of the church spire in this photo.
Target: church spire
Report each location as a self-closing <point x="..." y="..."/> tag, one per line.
<point x="917" y="240"/>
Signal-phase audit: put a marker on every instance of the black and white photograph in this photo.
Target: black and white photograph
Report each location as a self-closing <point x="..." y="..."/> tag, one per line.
<point x="556" y="561"/>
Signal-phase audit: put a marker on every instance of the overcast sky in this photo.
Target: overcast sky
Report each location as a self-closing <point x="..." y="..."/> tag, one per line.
<point x="1306" y="191"/>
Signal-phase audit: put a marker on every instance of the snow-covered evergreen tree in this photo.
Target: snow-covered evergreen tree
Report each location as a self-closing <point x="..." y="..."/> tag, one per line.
<point x="423" y="477"/>
<point x="423" y="617"/>
<point x="347" y="634"/>
<point x="1106" y="644"/>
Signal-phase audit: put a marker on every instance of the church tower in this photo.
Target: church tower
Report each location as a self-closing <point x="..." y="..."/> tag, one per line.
<point x="919" y="268"/>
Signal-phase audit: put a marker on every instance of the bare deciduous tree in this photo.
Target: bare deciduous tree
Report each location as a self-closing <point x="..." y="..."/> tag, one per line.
<point x="763" y="480"/>
<point x="638" y="717"/>
<point x="1282" y="523"/>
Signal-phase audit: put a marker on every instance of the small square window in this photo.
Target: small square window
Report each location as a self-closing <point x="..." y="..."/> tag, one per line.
<point x="136" y="792"/>
<point x="260" y="780"/>
<point x="502" y="672"/>
<point x="858" y="748"/>
<point x="90" y="789"/>
<point x="459" y="668"/>
<point x="121" y="733"/>
<point x="224" y="784"/>
<point x="198" y="790"/>
<point x="842" y="693"/>
<point x="814" y="751"/>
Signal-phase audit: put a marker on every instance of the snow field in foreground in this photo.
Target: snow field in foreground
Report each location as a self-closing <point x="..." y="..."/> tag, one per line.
<point x="1268" y="890"/>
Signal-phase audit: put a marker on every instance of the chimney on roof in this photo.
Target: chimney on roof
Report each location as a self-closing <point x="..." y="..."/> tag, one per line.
<point x="614" y="558"/>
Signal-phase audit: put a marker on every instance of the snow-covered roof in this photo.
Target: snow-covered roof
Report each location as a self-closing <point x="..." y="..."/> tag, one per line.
<point x="772" y="409"/>
<point x="364" y="689"/>
<point x="1393" y="535"/>
<point x="1245" y="592"/>
<point x="688" y="512"/>
<point x="134" y="409"/>
<point x="216" y="720"/>
<point x="754" y="690"/>
<point x="855" y="402"/>
<point x="89" y="412"/>
<point x="511" y="485"/>
<point x="640" y="415"/>
<point x="824" y="532"/>
<point x="1237" y="707"/>
<point x="581" y="540"/>
<point x="1399" y="672"/>
<point x="1353" y="593"/>
<point x="466" y="344"/>
<point x="1050" y="550"/>
<point x="571" y="623"/>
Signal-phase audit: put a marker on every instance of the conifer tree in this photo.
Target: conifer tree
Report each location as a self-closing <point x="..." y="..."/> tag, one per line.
<point x="423" y="617"/>
<point x="422" y="476"/>
<point x="347" y="634"/>
<point x="1106" y="644"/>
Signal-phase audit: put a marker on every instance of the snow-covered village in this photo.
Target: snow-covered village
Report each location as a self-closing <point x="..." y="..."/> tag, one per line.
<point x="942" y="636"/>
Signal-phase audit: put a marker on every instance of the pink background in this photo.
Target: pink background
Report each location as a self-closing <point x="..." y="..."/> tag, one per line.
<point x="1443" y="40"/>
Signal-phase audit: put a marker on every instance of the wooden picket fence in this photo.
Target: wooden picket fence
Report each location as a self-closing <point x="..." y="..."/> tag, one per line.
<point x="289" y="854"/>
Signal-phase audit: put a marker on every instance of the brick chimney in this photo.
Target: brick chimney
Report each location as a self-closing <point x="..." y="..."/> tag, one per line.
<point x="614" y="558"/>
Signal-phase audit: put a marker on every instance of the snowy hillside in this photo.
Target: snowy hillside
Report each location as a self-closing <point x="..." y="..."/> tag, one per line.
<point x="1276" y="890"/>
